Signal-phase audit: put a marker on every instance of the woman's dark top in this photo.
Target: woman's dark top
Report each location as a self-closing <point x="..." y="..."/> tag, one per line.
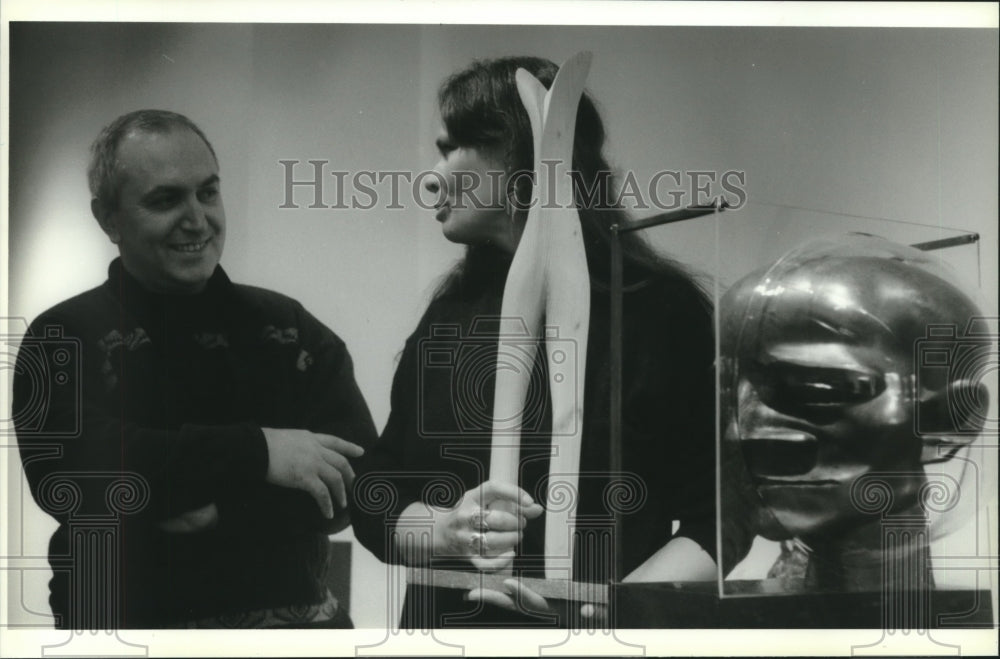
<point x="436" y="444"/>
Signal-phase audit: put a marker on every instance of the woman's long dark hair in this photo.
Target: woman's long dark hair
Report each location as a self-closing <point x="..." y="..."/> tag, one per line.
<point x="481" y="108"/>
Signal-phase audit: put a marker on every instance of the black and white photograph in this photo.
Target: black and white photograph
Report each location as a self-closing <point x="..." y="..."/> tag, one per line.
<point x="530" y="328"/>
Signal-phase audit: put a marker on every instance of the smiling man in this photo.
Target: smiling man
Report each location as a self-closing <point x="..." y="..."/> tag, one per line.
<point x="213" y="424"/>
<point x="167" y="217"/>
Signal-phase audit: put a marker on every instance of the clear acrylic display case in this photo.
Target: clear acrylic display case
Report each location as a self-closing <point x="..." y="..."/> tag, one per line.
<point x="856" y="509"/>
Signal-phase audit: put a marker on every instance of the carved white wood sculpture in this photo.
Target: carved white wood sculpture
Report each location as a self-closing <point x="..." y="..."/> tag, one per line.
<point x="548" y="283"/>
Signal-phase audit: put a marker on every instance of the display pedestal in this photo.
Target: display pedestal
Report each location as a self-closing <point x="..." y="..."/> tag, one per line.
<point x="762" y="604"/>
<point x="765" y="605"/>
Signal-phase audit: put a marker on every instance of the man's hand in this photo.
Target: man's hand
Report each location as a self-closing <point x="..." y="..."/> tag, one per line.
<point x="313" y="463"/>
<point x="193" y="521"/>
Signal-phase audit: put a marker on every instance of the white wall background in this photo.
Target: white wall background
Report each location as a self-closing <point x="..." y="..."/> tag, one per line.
<point x="898" y="124"/>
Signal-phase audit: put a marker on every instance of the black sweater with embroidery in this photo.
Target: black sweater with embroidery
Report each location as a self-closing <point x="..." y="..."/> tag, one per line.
<point x="135" y="408"/>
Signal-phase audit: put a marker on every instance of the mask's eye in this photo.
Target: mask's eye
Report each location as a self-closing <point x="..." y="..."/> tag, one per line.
<point x="785" y="386"/>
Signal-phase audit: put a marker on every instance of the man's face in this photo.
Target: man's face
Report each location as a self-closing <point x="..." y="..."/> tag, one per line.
<point x="170" y="224"/>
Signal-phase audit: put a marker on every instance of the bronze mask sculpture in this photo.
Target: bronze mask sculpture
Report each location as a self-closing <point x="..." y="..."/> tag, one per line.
<point x="833" y="403"/>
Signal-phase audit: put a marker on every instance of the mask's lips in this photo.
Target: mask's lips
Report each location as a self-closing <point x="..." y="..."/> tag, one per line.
<point x="763" y="481"/>
<point x="780" y="453"/>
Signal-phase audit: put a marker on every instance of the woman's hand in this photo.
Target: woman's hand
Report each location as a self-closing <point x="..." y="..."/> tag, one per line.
<point x="483" y="527"/>
<point x="681" y="559"/>
<point x="518" y="597"/>
<point x="486" y="525"/>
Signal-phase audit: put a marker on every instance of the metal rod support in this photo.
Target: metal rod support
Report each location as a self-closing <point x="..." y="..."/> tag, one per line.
<point x="932" y="245"/>
<point x="615" y="458"/>
<point x="669" y="217"/>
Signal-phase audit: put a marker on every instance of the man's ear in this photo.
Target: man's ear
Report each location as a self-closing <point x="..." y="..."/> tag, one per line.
<point x="103" y="214"/>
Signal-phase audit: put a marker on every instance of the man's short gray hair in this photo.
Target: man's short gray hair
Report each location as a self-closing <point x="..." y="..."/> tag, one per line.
<point x="102" y="172"/>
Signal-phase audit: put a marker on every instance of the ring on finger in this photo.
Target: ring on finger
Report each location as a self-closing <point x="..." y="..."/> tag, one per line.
<point x="478" y="520"/>
<point x="477" y="543"/>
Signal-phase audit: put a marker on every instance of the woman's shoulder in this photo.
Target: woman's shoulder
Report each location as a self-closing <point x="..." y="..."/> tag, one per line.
<point x="456" y="315"/>
<point x="671" y="318"/>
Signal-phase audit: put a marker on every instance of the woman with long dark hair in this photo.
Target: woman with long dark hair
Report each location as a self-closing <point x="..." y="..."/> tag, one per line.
<point x="423" y="496"/>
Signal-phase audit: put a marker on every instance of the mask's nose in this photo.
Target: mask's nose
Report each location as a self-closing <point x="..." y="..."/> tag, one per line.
<point x="772" y="443"/>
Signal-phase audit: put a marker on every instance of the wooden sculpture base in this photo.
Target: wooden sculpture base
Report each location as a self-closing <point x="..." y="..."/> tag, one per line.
<point x="697" y="605"/>
<point x="765" y="605"/>
<point x="558" y="589"/>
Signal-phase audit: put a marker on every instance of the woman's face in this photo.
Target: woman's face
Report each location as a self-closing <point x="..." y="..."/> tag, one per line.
<point x="469" y="187"/>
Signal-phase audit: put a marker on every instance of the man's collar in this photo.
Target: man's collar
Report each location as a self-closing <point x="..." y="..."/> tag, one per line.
<point x="214" y="299"/>
<point x="122" y="281"/>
